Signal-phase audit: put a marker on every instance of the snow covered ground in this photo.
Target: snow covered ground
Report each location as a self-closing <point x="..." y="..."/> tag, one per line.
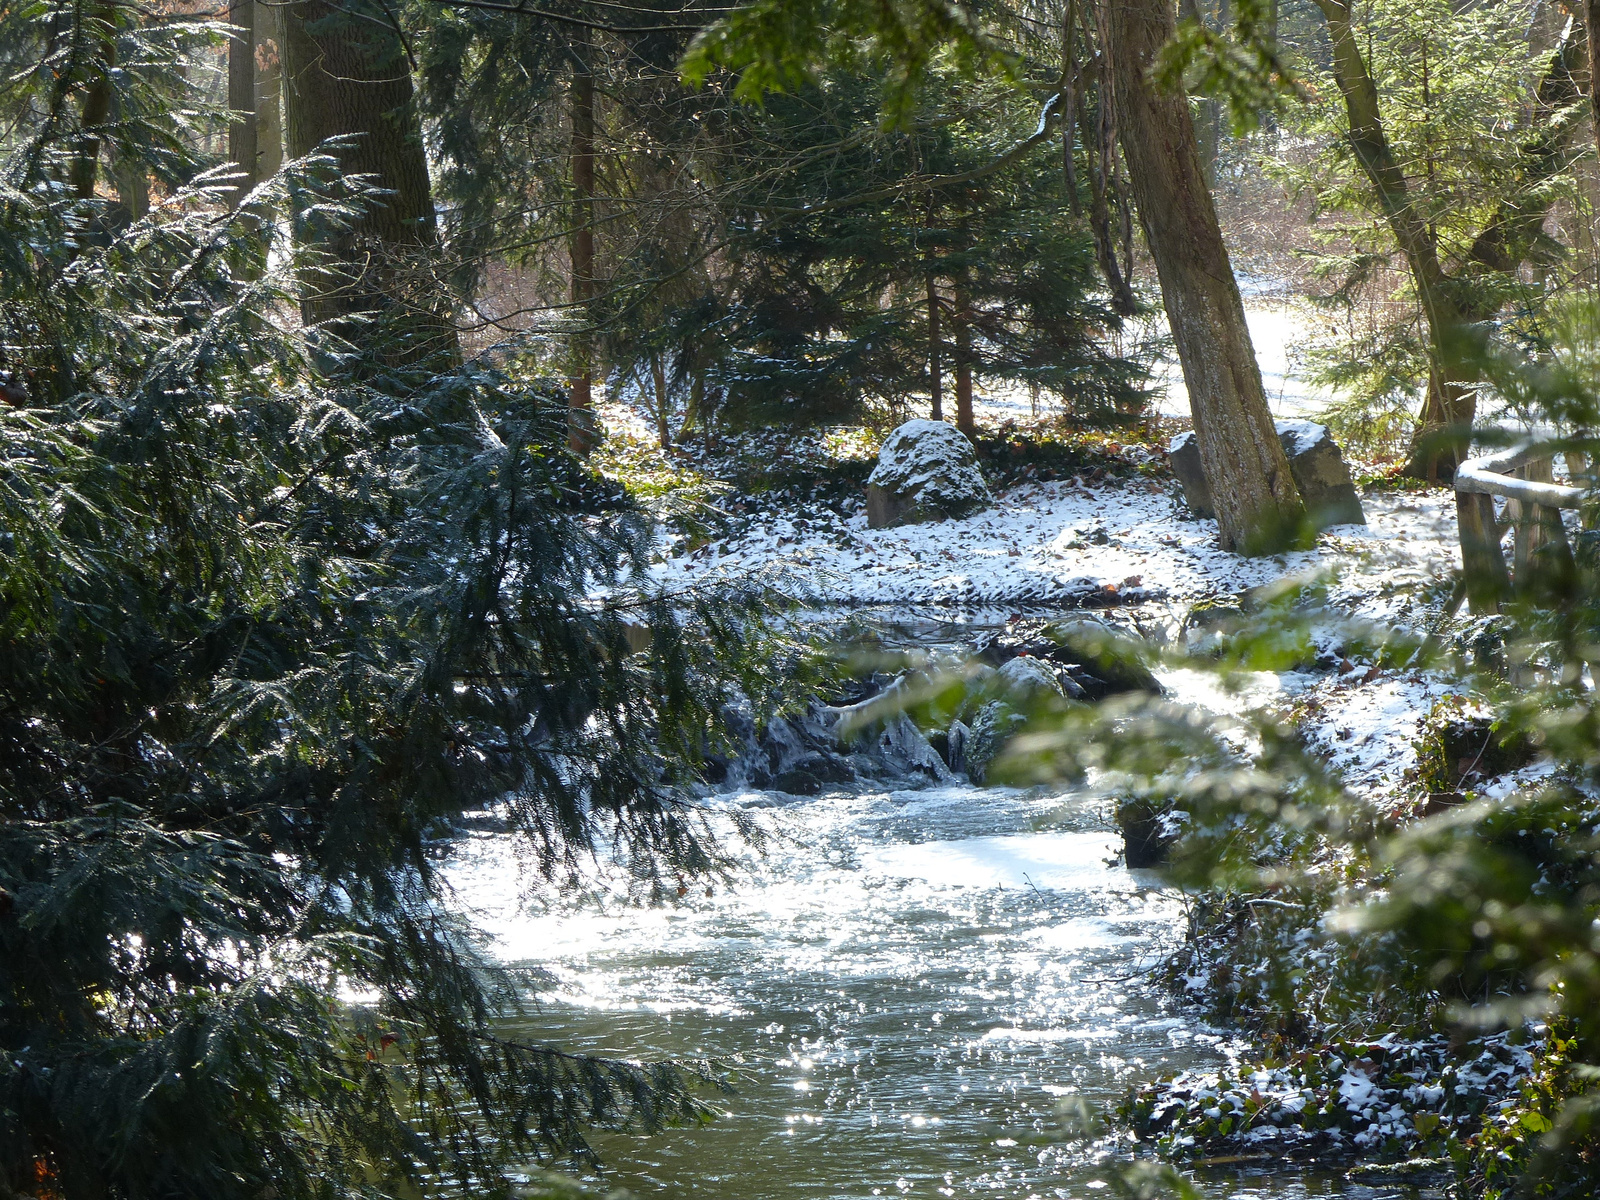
<point x="1279" y="328"/>
<point x="1071" y="543"/>
<point x="1067" y="545"/>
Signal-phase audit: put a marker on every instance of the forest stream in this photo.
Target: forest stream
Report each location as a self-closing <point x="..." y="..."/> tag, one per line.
<point x="915" y="981"/>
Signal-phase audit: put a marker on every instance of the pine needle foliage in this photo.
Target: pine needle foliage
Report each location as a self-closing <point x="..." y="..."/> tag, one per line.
<point x="266" y="631"/>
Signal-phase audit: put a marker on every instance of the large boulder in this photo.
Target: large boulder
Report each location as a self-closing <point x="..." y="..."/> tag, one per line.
<point x="1027" y="677"/>
<point x="927" y="471"/>
<point x="1183" y="456"/>
<point x="995" y="725"/>
<point x="1315" y="461"/>
<point x="1321" y="474"/>
<point x="1092" y="659"/>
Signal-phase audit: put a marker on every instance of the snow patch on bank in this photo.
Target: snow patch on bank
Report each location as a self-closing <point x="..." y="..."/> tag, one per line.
<point x="1072" y="543"/>
<point x="1365" y="725"/>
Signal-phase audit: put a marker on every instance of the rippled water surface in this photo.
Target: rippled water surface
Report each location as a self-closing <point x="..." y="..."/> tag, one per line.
<point x="915" y="980"/>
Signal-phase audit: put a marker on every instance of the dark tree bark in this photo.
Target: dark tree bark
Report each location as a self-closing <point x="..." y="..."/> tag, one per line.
<point x="133" y="187"/>
<point x="580" y="397"/>
<point x="98" y="33"/>
<point x="961" y="323"/>
<point x="242" y="135"/>
<point x="345" y="73"/>
<point x="1258" y="508"/>
<point x="658" y="371"/>
<point x="269" y="89"/>
<point x="1591" y="22"/>
<point x="935" y="367"/>
<point x="1098" y="134"/>
<point x="1208" y="129"/>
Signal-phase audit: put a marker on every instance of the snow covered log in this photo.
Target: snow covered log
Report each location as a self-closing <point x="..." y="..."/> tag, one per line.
<point x="1318" y="466"/>
<point x="927" y="471"/>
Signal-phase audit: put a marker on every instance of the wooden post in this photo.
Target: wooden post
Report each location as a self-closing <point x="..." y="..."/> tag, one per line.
<point x="1532" y="532"/>
<point x="1483" y="566"/>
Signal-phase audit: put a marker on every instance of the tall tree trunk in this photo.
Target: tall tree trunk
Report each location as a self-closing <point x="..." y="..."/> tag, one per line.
<point x="935" y="369"/>
<point x="1258" y="509"/>
<point x="580" y="399"/>
<point x="1209" y="127"/>
<point x="345" y="73"/>
<point x="658" y="371"/>
<point x="1098" y="131"/>
<point x="269" y="89"/>
<point x="98" y="31"/>
<point x="133" y="186"/>
<point x="961" y="322"/>
<point x="242" y="138"/>
<point x="1591" y="21"/>
<point x="1071" y="87"/>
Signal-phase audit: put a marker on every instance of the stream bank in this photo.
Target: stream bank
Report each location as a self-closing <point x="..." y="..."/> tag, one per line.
<point x="914" y="982"/>
<point x="919" y="976"/>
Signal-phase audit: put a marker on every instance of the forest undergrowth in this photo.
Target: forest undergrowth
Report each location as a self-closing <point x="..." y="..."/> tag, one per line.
<point x="1395" y="960"/>
<point x="1323" y="844"/>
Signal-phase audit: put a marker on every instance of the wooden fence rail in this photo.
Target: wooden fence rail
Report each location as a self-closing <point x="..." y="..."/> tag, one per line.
<point x="1523" y="475"/>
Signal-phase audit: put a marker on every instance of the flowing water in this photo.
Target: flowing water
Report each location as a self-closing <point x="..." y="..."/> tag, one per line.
<point x="915" y="980"/>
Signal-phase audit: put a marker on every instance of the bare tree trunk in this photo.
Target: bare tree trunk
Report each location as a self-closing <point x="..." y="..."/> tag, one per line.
<point x="269" y="89"/>
<point x="133" y="187"/>
<point x="1099" y="137"/>
<point x="1071" y="82"/>
<point x="580" y="398"/>
<point x="1591" y="21"/>
<point x="98" y="30"/>
<point x="1258" y="509"/>
<point x="1209" y="127"/>
<point x="935" y="371"/>
<point x="658" y="369"/>
<point x="345" y="73"/>
<point x="961" y="320"/>
<point x="242" y="139"/>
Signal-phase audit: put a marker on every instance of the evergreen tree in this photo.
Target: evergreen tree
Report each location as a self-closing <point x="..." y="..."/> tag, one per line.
<point x="846" y="262"/>
<point x="776" y="45"/>
<point x="268" y="629"/>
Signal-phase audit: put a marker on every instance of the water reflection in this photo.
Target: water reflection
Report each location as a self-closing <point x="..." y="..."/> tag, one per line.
<point x="915" y="980"/>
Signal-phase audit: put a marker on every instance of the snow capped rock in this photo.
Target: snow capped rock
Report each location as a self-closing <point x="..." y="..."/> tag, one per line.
<point x="1318" y="466"/>
<point x="1025" y="676"/>
<point x="927" y="471"/>
<point x="1299" y="437"/>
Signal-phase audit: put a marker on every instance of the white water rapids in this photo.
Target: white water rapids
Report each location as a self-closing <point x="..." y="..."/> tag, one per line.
<point x="915" y="980"/>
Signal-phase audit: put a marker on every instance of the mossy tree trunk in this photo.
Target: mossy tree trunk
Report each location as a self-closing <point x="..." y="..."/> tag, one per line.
<point x="345" y="74"/>
<point x="1258" y="507"/>
<point x="242" y="131"/>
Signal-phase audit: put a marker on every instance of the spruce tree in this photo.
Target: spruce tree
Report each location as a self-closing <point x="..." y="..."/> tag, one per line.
<point x="269" y="628"/>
